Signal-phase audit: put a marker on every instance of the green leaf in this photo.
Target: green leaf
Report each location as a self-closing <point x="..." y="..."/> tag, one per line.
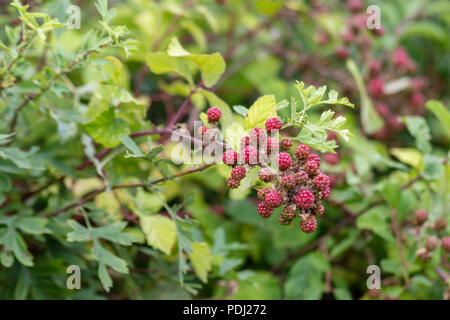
<point x="409" y="156"/>
<point x="162" y="62"/>
<point x="375" y="220"/>
<point x="418" y="128"/>
<point x="370" y="119"/>
<point x="304" y="281"/>
<point x="106" y="257"/>
<point x="441" y="112"/>
<point x="428" y="30"/>
<point x="262" y="109"/>
<point x="233" y="135"/>
<point x="241" y="110"/>
<point x="433" y="168"/>
<point x="107" y="129"/>
<point x="160" y="232"/>
<point x="32" y="225"/>
<point x="260" y="285"/>
<point x="201" y="260"/>
<point x="131" y="146"/>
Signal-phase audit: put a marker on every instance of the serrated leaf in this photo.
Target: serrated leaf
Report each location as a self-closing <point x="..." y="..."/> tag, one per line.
<point x="263" y="108"/>
<point x="201" y="260"/>
<point x="160" y="232"/>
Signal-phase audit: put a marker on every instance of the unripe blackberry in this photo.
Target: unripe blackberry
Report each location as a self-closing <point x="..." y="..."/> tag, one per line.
<point x="262" y="193"/>
<point x="446" y="244"/>
<point x="265" y="174"/>
<point x="383" y="110"/>
<point x="202" y="131"/>
<point x="347" y="37"/>
<point x="304" y="198"/>
<point x="421" y="217"/>
<point x="312" y="163"/>
<point x="286" y="144"/>
<point x="325" y="193"/>
<point x="320" y="209"/>
<point x="342" y="53"/>
<point x="401" y="58"/>
<point x="273" y="124"/>
<point x="264" y="210"/>
<point x="302" y="151"/>
<point x="284" y="220"/>
<point x="288" y="182"/>
<point x="250" y="155"/>
<point x="233" y="184"/>
<point x="309" y="225"/>
<point x="314" y="157"/>
<point x="417" y="100"/>
<point x="440" y="224"/>
<point x="354" y="5"/>
<point x="283" y="160"/>
<point x="245" y="141"/>
<point x="272" y="145"/>
<point x="301" y="177"/>
<point x="238" y="173"/>
<point x="274" y="199"/>
<point x="378" y="31"/>
<point x="394" y="122"/>
<point x="214" y="114"/>
<point x="423" y="255"/>
<point x="375" y="68"/>
<point x="431" y="243"/>
<point x="331" y="158"/>
<point x="257" y="136"/>
<point x="290" y="211"/>
<point x="375" y="87"/>
<point x="322" y="181"/>
<point x="418" y="83"/>
<point x="229" y="157"/>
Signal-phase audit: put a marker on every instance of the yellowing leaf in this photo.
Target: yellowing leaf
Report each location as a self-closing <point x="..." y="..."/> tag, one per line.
<point x="409" y="156"/>
<point x="262" y="109"/>
<point x="201" y="259"/>
<point x="159" y="231"/>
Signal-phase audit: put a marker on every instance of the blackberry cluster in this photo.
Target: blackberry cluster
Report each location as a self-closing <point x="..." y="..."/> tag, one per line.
<point x="298" y="185"/>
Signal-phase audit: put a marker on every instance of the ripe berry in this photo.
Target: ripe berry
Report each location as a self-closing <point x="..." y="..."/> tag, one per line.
<point x="302" y="151"/>
<point x="301" y="177"/>
<point x="245" y="141"/>
<point x="262" y="193"/>
<point x="274" y="199"/>
<point x="375" y="87"/>
<point x="440" y="224"/>
<point x="331" y="158"/>
<point x="238" y="173"/>
<point x="202" y="131"/>
<point x="283" y="160"/>
<point x="233" y="184"/>
<point x="229" y="157"/>
<point x="417" y="100"/>
<point x="284" y="220"/>
<point x="214" y="114"/>
<point x="421" y="217"/>
<point x="264" y="210"/>
<point x="446" y="244"/>
<point x="322" y="181"/>
<point x="401" y="58"/>
<point x="273" y="124"/>
<point x="272" y="145"/>
<point x="342" y="53"/>
<point x="257" y="136"/>
<point x="288" y="182"/>
<point x="286" y="144"/>
<point x="249" y="155"/>
<point x="431" y="243"/>
<point x="304" y="198"/>
<point x="265" y="174"/>
<point x="309" y="225"/>
<point x="325" y="193"/>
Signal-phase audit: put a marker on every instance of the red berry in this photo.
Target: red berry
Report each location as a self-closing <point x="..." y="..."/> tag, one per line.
<point x="304" y="198"/>
<point x="214" y="114"/>
<point x="325" y="193"/>
<point x="378" y="31"/>
<point x="331" y="158"/>
<point x="418" y="83"/>
<point x="274" y="199"/>
<point x="417" y="100"/>
<point x="354" y="5"/>
<point x="440" y="224"/>
<point x="301" y="177"/>
<point x="272" y="145"/>
<point x="273" y="124"/>
<point x="342" y="53"/>
<point x="250" y="155"/>
<point x="446" y="244"/>
<point x="421" y="216"/>
<point x="331" y="135"/>
<point x="376" y="87"/>
<point x="264" y="210"/>
<point x="322" y="181"/>
<point x="229" y="157"/>
<point x="286" y="144"/>
<point x="262" y="193"/>
<point x="312" y="163"/>
<point x="394" y="122"/>
<point x="309" y="225"/>
<point x="288" y="181"/>
<point x="257" y="136"/>
<point x="302" y="151"/>
<point x="431" y="243"/>
<point x="401" y="58"/>
<point x="238" y="173"/>
<point x="245" y="141"/>
<point x="283" y="160"/>
<point x="383" y="110"/>
<point x="265" y="174"/>
<point x="202" y="131"/>
<point x="347" y="37"/>
<point x="233" y="184"/>
<point x="375" y="68"/>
